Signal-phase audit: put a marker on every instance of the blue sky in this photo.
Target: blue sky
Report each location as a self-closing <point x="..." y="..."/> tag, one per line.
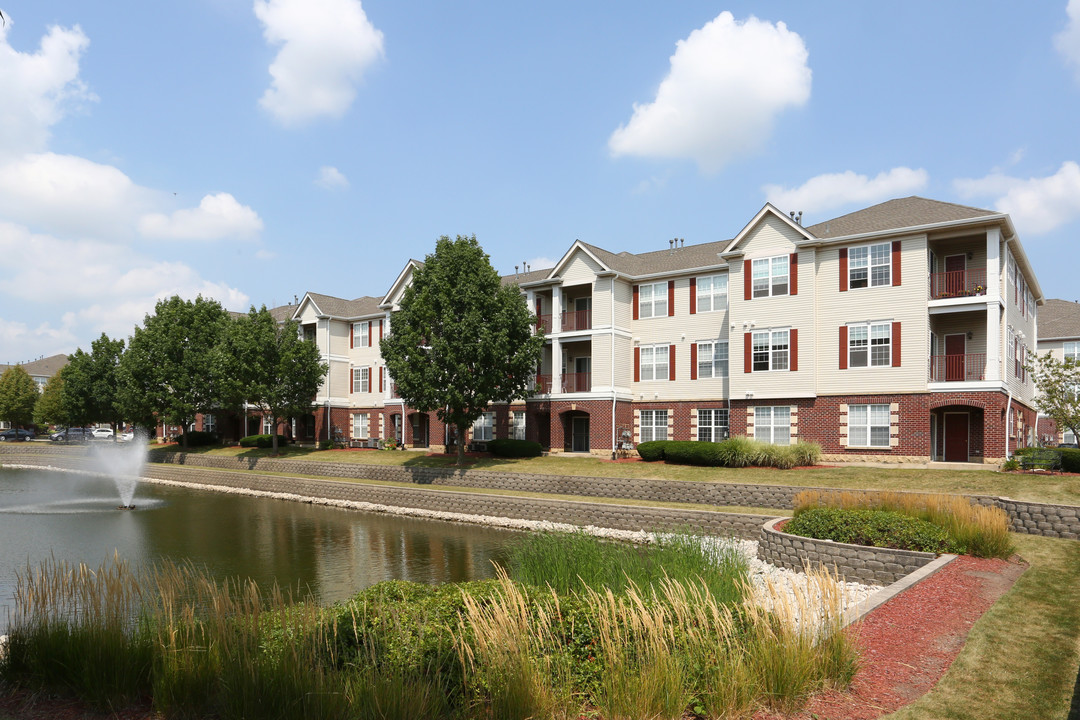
<point x="252" y="150"/>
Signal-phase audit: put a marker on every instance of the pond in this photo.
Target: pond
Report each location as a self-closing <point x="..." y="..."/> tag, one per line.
<point x="331" y="552"/>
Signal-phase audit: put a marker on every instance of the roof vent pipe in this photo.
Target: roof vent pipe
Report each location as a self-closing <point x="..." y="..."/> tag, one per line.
<point x="682" y="242"/>
<point x="798" y="218"/>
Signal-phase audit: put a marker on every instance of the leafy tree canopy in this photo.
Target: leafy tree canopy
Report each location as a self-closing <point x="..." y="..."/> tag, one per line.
<point x="18" y="395"/>
<point x="461" y="339"/>
<point x="92" y="384"/>
<point x="1058" y="384"/>
<point x="49" y="409"/>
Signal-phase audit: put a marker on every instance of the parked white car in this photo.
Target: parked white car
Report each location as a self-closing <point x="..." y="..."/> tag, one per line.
<point x="126" y="437"/>
<point x="102" y="433"/>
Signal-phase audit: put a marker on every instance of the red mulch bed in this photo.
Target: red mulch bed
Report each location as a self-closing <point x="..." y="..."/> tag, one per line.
<point x="907" y="645"/>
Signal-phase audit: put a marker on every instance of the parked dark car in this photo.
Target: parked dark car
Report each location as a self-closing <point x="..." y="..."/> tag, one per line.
<point x="13" y="434"/>
<point x="72" y="435"/>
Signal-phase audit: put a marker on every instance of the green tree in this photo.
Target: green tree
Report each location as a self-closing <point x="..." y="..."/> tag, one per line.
<point x="92" y="384"/>
<point x="462" y="339"/>
<point x="49" y="408"/>
<point x="271" y="367"/>
<point x="1058" y="385"/>
<point x="18" y="395"/>
<point x="170" y="366"/>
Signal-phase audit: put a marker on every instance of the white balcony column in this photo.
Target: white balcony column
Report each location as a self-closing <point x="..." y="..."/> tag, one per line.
<point x="993" y="341"/>
<point x="556" y="310"/>
<point x="993" y="263"/>
<point x="556" y="365"/>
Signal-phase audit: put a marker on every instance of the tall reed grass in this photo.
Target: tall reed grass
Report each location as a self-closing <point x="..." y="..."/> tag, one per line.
<point x="973" y="529"/>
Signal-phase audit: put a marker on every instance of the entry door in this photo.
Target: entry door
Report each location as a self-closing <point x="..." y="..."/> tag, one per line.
<point x="955" y="349"/>
<point x="956" y="437"/>
<point x="955" y="265"/>
<point x="420" y="430"/>
<point x="580" y="442"/>
<point x="582" y="376"/>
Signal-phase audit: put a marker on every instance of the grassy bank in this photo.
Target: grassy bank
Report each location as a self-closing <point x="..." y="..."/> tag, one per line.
<point x="1035" y="487"/>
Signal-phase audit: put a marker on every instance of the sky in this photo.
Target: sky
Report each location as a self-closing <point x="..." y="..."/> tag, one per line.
<point x="252" y="151"/>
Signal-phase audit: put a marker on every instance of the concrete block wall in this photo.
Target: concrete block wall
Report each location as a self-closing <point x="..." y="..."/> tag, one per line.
<point x="857" y="563"/>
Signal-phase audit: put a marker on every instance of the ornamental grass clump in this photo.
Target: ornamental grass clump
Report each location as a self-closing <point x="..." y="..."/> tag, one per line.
<point x="973" y="529"/>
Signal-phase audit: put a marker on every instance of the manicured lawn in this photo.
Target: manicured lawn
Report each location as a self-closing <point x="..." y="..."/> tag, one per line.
<point x="1036" y="487"/>
<point x="1021" y="658"/>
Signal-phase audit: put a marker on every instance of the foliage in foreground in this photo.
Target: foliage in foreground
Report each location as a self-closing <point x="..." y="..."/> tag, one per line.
<point x="736" y="451"/>
<point x="1070" y="458"/>
<point x="972" y="529"/>
<point x="401" y="650"/>
<point x="262" y="441"/>
<point x="874" y="528"/>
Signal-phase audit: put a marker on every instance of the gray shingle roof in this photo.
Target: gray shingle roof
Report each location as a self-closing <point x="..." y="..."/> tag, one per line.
<point x="339" y="307"/>
<point x="1059" y="319"/>
<point x="530" y="276"/>
<point x="43" y="367"/>
<point x="895" y="214"/>
<point x="660" y="261"/>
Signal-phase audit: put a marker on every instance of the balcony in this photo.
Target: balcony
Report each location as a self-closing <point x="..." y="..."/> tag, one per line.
<point x="543" y="322"/>
<point x="958" y="368"/>
<point x="957" y="283"/>
<point x="571" y="383"/>
<point x="543" y="383"/>
<point x="577" y="320"/>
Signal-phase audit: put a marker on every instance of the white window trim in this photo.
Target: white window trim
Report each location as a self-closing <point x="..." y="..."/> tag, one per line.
<point x="870" y="265"/>
<point x="717" y="299"/>
<point x="772" y="278"/>
<point x="869" y="426"/>
<point x="483" y="428"/>
<point x="772" y="332"/>
<point x="1070" y="351"/>
<point x="758" y="425"/>
<point x="654" y="289"/>
<point x="654" y="426"/>
<point x="887" y="324"/>
<point x="517" y="428"/>
<point x="361" y="430"/>
<point x="713" y="414"/>
<point x="713" y="344"/>
<point x="666" y="355"/>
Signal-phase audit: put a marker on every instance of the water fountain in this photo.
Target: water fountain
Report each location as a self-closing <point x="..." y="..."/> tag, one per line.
<point x="123" y="463"/>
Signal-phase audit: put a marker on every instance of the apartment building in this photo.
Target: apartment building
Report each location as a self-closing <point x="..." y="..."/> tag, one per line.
<point x="1059" y="335"/>
<point x="897" y="332"/>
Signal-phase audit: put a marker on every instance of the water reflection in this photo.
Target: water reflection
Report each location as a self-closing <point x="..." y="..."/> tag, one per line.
<point x="329" y="551"/>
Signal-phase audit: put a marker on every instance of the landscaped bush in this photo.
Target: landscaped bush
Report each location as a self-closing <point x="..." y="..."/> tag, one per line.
<point x="262" y="441"/>
<point x="509" y="447"/>
<point x="198" y="438"/>
<point x="1070" y="457"/>
<point x="688" y="452"/>
<point x="652" y="450"/>
<point x="973" y="529"/>
<point x="876" y="528"/>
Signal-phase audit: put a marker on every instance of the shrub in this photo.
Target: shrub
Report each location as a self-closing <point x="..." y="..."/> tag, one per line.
<point x="740" y="451"/>
<point x="687" y="452"/>
<point x="876" y="528"/>
<point x="652" y="451"/>
<point x="508" y="447"/>
<point x="262" y="441"/>
<point x="196" y="438"/>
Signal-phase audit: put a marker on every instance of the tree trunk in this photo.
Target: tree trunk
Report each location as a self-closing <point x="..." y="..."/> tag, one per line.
<point x="273" y="436"/>
<point x="460" y="445"/>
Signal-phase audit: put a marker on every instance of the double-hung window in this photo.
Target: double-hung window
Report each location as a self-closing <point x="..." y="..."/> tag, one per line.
<point x="712" y="425"/>
<point x="654" y="362"/>
<point x="361" y="334"/>
<point x="653" y="425"/>
<point x="267" y="425"/>
<point x="868" y="425"/>
<point x="518" y="429"/>
<point x="1072" y="351"/>
<point x="362" y="380"/>
<point x="772" y="424"/>
<point x="711" y="293"/>
<point x="870" y="266"/>
<point x="770" y="276"/>
<point x="652" y="300"/>
<point x="712" y="359"/>
<point x="361" y="425"/>
<point x="209" y="423"/>
<point x="770" y="350"/>
<point x="481" y="429"/>
<point x="870" y="345"/>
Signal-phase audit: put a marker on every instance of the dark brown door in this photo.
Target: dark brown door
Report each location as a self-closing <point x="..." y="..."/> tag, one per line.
<point x="955" y="266"/>
<point x="956" y="437"/>
<point x="955" y="347"/>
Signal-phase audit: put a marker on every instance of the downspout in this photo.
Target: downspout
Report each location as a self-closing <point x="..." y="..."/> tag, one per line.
<point x="1008" y="415"/>
<point x="329" y="374"/>
<point x="611" y="302"/>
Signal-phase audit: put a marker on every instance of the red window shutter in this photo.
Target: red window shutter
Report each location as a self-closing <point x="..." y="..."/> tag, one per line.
<point x="671" y="362"/>
<point x="352" y="377"/>
<point x="896" y="344"/>
<point x="748" y="352"/>
<point x="693" y="360"/>
<point x="896" y="265"/>
<point x="637" y="358"/>
<point x="843" y="271"/>
<point x="352" y="336"/>
<point x="843" y="347"/>
<point x="671" y="300"/>
<point x="793" y="275"/>
<point x="380" y="369"/>
<point x="380" y="335"/>
<point x="693" y="296"/>
<point x="748" y="282"/>
<point x="539" y="305"/>
<point x="793" y="350"/>
<point x="635" y="303"/>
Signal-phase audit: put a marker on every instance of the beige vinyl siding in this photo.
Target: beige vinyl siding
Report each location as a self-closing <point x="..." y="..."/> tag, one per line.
<point x="580" y="269"/>
<point x="667" y="329"/>
<point x="308" y="314"/>
<point x="1026" y="325"/>
<point x="960" y="323"/>
<point x="624" y="304"/>
<point x="975" y="244"/>
<point x="601" y="303"/>
<point x="601" y="360"/>
<point x="624" y="363"/>
<point x="905" y="304"/>
<point x="338" y="378"/>
<point x="365" y="355"/>
<point x="339" y="337"/>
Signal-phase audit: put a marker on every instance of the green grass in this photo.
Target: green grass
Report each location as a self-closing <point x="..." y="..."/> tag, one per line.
<point x="1021" y="657"/>
<point x="1034" y="487"/>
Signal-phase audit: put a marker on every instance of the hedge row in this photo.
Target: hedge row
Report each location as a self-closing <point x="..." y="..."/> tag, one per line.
<point x="875" y="528"/>
<point x="198" y="438"/>
<point x="736" y="451"/>
<point x="508" y="447"/>
<point x="262" y="441"/>
<point x="1070" y="457"/>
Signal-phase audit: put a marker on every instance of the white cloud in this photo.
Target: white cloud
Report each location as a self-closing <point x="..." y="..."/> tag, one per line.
<point x="325" y="47"/>
<point x="833" y="190"/>
<point x="1037" y="205"/>
<point x="1067" y="41"/>
<point x="38" y="88"/>
<point x="331" y="178"/>
<point x="218" y="216"/>
<point x="69" y="194"/>
<point x="728" y="82"/>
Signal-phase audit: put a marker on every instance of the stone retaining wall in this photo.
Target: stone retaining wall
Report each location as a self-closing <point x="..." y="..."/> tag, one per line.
<point x="858" y="563"/>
